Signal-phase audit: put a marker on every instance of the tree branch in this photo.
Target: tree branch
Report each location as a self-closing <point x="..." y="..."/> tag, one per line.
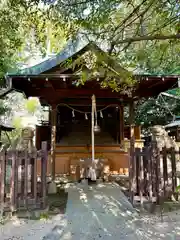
<point x="150" y="38"/>
<point x="138" y="16"/>
<point x="135" y="11"/>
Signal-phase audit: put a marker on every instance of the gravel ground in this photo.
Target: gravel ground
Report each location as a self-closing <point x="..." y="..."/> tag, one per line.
<point x="103" y="212"/>
<point x="19" y="229"/>
<point x="97" y="212"/>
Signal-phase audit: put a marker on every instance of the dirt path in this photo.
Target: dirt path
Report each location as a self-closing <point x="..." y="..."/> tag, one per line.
<point x="99" y="212"/>
<point x="103" y="212"/>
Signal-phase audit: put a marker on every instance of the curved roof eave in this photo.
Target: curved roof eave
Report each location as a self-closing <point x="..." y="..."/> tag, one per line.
<point x="72" y="47"/>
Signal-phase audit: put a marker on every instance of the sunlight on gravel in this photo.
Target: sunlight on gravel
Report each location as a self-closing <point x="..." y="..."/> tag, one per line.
<point x="96" y="213"/>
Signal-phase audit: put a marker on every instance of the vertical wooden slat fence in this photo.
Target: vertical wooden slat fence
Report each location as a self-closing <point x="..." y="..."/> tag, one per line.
<point x="18" y="179"/>
<point x="173" y="162"/>
<point x="165" y="170"/>
<point x="44" y="159"/>
<point x="2" y="178"/>
<point x="155" y="174"/>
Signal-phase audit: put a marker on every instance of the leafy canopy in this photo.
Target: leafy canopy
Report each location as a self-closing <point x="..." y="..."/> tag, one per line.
<point x="156" y="111"/>
<point x="142" y="34"/>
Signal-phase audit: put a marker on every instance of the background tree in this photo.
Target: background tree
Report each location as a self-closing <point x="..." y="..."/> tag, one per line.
<point x="10" y="40"/>
<point x="20" y="112"/>
<point x="156" y="111"/>
<point x="142" y="34"/>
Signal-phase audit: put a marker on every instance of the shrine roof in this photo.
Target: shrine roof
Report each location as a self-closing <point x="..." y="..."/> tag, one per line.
<point x="51" y="74"/>
<point x="175" y="123"/>
<point x="6" y="128"/>
<point x="5" y="91"/>
<point x="73" y="47"/>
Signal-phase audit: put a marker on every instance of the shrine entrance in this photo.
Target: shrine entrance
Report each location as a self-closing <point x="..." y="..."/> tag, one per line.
<point x="74" y="125"/>
<point x="56" y="84"/>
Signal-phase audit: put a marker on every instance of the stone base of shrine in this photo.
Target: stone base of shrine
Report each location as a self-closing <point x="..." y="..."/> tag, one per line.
<point x="74" y="160"/>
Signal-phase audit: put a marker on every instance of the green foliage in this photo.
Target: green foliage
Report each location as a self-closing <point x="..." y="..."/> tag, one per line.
<point x="110" y="21"/>
<point x="49" y="35"/>
<point x="156" y="111"/>
<point x="3" y="108"/>
<point x="47" y="27"/>
<point x="28" y="110"/>
<point x="10" y="40"/>
<point x="32" y="105"/>
<point x="178" y="188"/>
<point x="25" y="26"/>
<point x="11" y="138"/>
<point x="96" y="64"/>
<point x="17" y="122"/>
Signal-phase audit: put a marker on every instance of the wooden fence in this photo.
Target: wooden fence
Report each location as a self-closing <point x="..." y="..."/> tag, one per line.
<point x="153" y="174"/>
<point x="19" y="188"/>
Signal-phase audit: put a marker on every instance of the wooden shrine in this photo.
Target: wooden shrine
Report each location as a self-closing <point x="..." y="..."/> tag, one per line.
<point x="68" y="129"/>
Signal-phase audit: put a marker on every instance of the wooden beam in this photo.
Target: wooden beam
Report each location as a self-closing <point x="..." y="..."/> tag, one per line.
<point x="87" y="102"/>
<point x="53" y="140"/>
<point x="73" y="93"/>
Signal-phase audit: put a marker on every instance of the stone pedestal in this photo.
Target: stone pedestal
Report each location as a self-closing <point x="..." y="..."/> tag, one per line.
<point x="52" y="188"/>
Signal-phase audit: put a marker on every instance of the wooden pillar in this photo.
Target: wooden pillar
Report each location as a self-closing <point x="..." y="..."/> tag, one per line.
<point x="53" y="140"/>
<point x="121" y="131"/>
<point x="132" y="165"/>
<point x="92" y="126"/>
<point x="131" y="120"/>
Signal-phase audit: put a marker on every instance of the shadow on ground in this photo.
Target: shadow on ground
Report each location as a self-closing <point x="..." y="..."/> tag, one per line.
<point x="103" y="212"/>
<point x="58" y="202"/>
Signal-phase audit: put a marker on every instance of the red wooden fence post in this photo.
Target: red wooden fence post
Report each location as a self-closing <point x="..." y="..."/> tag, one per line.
<point x="26" y="178"/>
<point x="132" y="170"/>
<point x="165" y="172"/>
<point x="139" y="172"/>
<point x="149" y="174"/>
<point x="14" y="180"/>
<point x="137" y="159"/>
<point x="2" y="180"/>
<point x="173" y="165"/>
<point x="34" y="178"/>
<point x="44" y="159"/>
<point x="157" y="172"/>
<point x="22" y="161"/>
<point x="158" y="175"/>
<point x="141" y="176"/>
<point x="145" y="169"/>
